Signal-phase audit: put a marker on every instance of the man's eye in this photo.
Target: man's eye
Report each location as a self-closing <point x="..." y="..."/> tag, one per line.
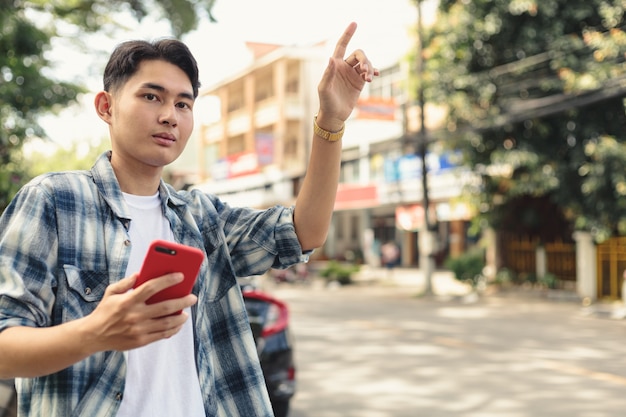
<point x="150" y="97"/>
<point x="184" y="105"/>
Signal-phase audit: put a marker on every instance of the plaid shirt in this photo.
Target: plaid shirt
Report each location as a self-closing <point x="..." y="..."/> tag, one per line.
<point x="64" y="239"/>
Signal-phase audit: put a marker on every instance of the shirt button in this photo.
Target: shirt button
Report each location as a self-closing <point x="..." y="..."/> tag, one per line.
<point x="118" y="396"/>
<point x="87" y="291"/>
<point x="127" y="242"/>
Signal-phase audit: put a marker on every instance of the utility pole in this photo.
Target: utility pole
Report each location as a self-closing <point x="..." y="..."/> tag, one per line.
<point x="426" y="235"/>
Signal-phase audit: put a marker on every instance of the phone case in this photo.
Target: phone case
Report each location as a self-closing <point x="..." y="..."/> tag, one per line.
<point x="165" y="257"/>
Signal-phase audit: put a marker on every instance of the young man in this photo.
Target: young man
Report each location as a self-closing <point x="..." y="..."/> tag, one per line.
<point x="78" y="338"/>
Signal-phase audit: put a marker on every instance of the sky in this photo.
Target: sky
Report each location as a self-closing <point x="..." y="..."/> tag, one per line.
<point x="384" y="32"/>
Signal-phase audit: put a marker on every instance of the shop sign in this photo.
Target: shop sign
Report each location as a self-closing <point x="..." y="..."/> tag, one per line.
<point x="352" y="196"/>
<point x="410" y="218"/>
<point x="407" y="167"/>
<point x="236" y="166"/>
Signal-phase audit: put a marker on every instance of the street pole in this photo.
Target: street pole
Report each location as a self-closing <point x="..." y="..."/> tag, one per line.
<point x="425" y="236"/>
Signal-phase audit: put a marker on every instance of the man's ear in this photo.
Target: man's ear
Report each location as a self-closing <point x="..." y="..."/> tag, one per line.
<point x="103" y="103"/>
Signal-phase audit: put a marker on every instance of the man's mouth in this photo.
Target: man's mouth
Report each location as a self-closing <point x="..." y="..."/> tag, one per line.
<point x="165" y="137"/>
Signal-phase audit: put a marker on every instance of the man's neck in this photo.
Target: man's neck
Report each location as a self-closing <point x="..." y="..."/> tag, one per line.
<point x="143" y="182"/>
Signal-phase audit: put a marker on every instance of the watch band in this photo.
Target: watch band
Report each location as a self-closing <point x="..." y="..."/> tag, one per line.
<point x="328" y="135"/>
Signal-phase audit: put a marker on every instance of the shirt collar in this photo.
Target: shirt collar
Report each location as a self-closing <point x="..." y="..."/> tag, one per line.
<point x="106" y="182"/>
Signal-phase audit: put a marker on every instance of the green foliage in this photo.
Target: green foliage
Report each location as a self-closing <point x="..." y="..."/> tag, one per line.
<point x="467" y="267"/>
<point x="77" y="156"/>
<point x="535" y="92"/>
<point x="339" y="271"/>
<point x="12" y="176"/>
<point x="24" y="93"/>
<point x="603" y="186"/>
<point x="505" y="277"/>
<point x="93" y="15"/>
<point x="27" y="91"/>
<point x="549" y="280"/>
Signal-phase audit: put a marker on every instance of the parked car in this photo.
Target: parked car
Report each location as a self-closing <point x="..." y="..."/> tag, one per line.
<point x="269" y="320"/>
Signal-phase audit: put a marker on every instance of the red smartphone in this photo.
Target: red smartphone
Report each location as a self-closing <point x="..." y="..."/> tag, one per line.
<point x="165" y="257"/>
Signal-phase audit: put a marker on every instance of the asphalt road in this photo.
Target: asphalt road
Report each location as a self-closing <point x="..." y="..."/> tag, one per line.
<point x="371" y="351"/>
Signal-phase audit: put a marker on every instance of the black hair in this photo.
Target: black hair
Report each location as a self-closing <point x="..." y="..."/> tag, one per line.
<point x="125" y="59"/>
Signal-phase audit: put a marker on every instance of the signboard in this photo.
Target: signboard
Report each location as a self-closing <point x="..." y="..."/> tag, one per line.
<point x="353" y="196"/>
<point x="376" y="108"/>
<point x="242" y="164"/>
<point x="407" y="167"/>
<point x="264" y="143"/>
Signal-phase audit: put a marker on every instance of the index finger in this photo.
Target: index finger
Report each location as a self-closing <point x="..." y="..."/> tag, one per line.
<point x="148" y="288"/>
<point x="342" y="44"/>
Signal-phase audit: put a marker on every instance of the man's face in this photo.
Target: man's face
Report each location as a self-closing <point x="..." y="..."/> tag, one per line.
<point x="151" y="115"/>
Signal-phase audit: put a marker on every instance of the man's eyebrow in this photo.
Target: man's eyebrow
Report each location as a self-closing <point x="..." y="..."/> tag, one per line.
<point x="160" y="88"/>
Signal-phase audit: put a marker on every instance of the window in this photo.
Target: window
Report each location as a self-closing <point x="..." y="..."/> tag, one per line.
<point x="377" y="168"/>
<point x="291" y="147"/>
<point x="235" y="98"/>
<point x="354" y="228"/>
<point x="292" y="86"/>
<point x="236" y="144"/>
<point x="350" y="172"/>
<point x="389" y="84"/>
<point x="211" y="153"/>
<point x="264" y="86"/>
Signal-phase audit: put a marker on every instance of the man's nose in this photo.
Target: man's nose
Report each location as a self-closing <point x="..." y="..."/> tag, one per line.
<point x="168" y="116"/>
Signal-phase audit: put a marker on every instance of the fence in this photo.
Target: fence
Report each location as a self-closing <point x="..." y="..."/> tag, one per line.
<point x="611" y="264"/>
<point x="519" y="254"/>
<point x="561" y="259"/>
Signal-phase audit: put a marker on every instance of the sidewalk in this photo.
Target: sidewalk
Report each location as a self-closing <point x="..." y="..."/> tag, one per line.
<point x="443" y="282"/>
<point x="446" y="286"/>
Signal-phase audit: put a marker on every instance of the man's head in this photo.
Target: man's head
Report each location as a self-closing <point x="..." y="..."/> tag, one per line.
<point x="125" y="60"/>
<point x="147" y="101"/>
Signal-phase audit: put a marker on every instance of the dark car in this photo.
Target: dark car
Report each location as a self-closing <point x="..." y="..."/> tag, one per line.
<point x="269" y="320"/>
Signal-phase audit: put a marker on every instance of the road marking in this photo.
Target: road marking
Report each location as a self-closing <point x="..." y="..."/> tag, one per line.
<point x="580" y="371"/>
<point x="452" y="342"/>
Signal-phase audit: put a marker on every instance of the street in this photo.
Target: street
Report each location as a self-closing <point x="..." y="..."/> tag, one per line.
<point x="382" y="351"/>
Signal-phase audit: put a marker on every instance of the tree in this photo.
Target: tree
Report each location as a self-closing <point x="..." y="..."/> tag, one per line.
<point x="24" y="93"/>
<point x="27" y="91"/>
<point x="76" y="156"/>
<point x="535" y="92"/>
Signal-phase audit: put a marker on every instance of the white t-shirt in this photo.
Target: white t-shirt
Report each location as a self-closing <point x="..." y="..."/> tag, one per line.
<point x="161" y="378"/>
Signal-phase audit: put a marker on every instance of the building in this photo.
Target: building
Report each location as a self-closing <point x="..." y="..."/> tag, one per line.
<point x="255" y="154"/>
<point x="380" y="196"/>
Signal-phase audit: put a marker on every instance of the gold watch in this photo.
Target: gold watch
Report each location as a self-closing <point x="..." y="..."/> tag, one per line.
<point x="327" y="135"/>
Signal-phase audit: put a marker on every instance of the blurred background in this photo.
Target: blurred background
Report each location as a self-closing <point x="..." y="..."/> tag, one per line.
<point x="492" y="146"/>
<point x="494" y="136"/>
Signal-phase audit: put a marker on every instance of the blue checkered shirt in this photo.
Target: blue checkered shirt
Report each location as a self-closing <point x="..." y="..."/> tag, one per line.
<point x="64" y="238"/>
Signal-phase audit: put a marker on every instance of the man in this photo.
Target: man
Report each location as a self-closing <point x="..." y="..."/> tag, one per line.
<point x="73" y="331"/>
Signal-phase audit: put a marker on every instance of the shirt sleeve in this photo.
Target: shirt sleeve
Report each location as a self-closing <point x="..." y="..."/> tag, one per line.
<point x="28" y="244"/>
<point x="260" y="239"/>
